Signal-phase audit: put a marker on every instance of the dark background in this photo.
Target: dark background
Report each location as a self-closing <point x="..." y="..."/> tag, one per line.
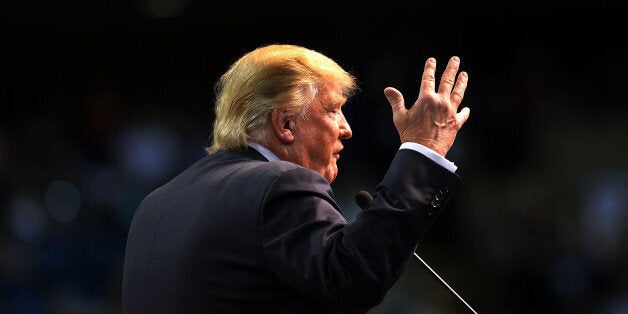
<point x="103" y="101"/>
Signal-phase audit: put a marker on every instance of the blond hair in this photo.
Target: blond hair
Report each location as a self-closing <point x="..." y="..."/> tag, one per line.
<point x="286" y="77"/>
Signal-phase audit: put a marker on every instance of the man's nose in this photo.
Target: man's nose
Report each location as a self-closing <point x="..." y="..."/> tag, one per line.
<point x="345" y="129"/>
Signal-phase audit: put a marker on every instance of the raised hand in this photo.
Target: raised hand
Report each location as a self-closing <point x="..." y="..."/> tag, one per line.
<point x="433" y="120"/>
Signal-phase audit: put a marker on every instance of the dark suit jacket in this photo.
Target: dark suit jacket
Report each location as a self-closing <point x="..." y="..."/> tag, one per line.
<point x="235" y="233"/>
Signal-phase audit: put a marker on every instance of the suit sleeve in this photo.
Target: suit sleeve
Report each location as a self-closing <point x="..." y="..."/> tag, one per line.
<point x="313" y="249"/>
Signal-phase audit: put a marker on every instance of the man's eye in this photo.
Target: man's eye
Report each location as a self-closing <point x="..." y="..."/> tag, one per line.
<point x="335" y="113"/>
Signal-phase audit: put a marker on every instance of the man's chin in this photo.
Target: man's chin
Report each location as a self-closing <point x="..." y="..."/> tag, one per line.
<point x="331" y="174"/>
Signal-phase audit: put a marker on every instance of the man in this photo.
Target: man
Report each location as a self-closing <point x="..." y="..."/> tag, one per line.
<point x="253" y="227"/>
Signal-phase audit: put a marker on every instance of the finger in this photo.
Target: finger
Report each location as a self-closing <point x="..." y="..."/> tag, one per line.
<point x="428" y="80"/>
<point x="395" y="99"/>
<point x="449" y="76"/>
<point x="458" y="92"/>
<point x="463" y="116"/>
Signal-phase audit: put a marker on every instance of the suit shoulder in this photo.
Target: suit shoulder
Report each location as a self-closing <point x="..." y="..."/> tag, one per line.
<point x="281" y="168"/>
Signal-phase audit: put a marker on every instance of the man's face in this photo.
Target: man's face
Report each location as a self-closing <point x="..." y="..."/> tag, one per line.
<point x="317" y="137"/>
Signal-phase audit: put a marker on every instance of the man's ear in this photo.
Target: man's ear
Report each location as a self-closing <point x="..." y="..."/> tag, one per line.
<point x="283" y="125"/>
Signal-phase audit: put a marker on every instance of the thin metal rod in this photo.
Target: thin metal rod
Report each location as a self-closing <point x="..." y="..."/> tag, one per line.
<point x="444" y="283"/>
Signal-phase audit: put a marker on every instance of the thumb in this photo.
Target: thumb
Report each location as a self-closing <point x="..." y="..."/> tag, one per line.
<point x="395" y="99"/>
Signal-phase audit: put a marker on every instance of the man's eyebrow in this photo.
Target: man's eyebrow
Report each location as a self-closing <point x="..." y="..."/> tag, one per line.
<point x="334" y="102"/>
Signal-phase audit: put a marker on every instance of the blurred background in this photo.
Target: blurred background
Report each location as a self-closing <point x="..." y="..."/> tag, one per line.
<point x="103" y="101"/>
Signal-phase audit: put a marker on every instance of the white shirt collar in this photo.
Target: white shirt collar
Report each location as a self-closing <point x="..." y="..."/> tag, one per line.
<point x="264" y="151"/>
